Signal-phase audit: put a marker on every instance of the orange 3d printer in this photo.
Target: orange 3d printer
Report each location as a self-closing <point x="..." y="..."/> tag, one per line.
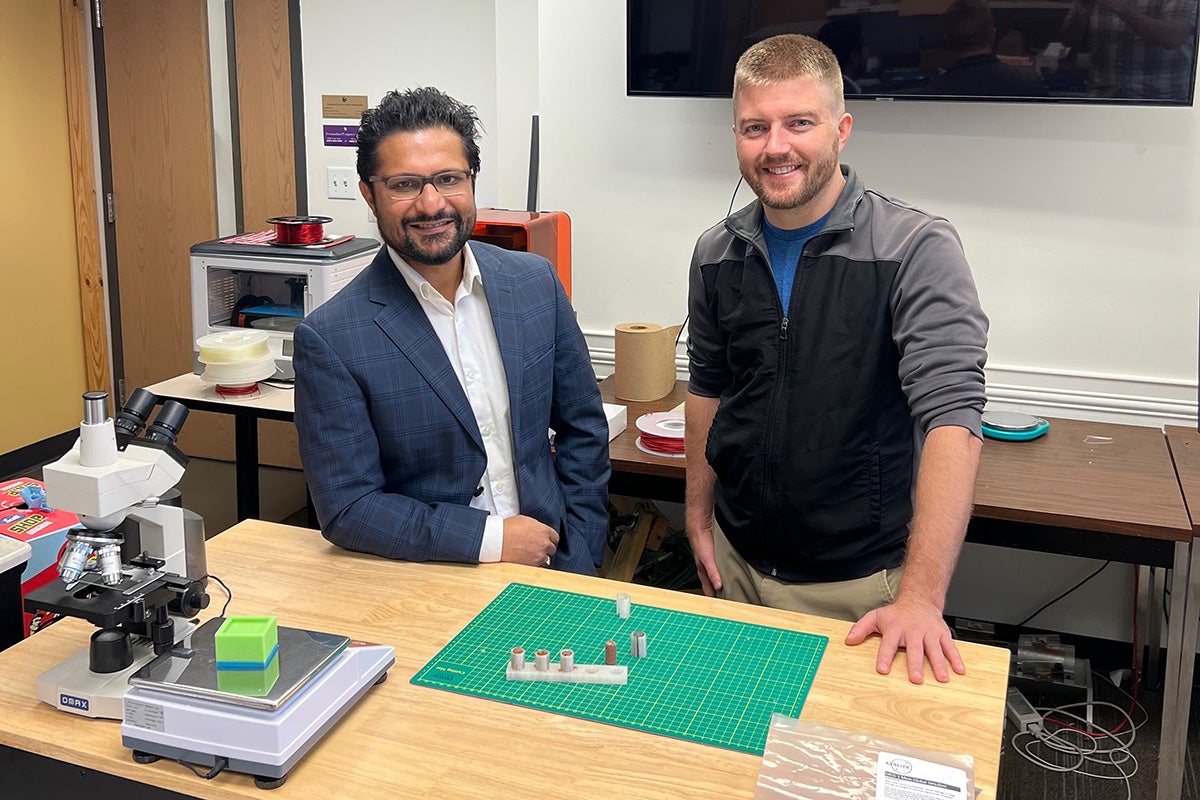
<point x="545" y="233"/>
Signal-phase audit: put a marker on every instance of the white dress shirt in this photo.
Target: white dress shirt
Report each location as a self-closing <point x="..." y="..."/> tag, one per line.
<point x="466" y="333"/>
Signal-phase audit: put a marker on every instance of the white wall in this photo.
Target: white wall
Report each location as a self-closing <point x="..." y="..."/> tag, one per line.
<point x="1080" y="222"/>
<point x="373" y="46"/>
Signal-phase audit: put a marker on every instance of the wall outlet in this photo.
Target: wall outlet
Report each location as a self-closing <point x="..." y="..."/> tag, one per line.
<point x="342" y="183"/>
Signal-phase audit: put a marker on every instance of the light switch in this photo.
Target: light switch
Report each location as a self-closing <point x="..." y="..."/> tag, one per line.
<point x="342" y="183"/>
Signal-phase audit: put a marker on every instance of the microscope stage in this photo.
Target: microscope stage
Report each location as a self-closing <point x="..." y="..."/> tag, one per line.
<point x="175" y="710"/>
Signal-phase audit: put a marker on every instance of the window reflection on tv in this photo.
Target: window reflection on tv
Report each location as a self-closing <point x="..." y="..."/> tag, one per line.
<point x="1132" y="52"/>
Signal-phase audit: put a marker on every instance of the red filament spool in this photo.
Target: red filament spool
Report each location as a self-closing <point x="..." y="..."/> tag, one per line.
<point x="299" y="230"/>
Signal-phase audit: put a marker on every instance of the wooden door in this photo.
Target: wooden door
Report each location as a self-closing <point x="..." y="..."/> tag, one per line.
<point x="262" y="35"/>
<point x="164" y="187"/>
<point x="159" y="102"/>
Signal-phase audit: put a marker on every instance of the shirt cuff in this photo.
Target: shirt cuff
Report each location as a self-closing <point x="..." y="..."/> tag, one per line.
<point x="493" y="539"/>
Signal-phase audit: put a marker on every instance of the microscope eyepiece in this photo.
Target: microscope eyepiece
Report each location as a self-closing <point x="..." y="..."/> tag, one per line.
<point x="95" y="407"/>
<point x="167" y="424"/>
<point x="136" y="413"/>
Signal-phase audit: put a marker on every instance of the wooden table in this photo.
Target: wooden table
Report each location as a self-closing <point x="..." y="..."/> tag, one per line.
<point x="635" y="472"/>
<point x="1085" y="488"/>
<point x="411" y="741"/>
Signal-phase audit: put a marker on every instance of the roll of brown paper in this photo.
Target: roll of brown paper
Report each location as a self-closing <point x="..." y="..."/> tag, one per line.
<point x="645" y="361"/>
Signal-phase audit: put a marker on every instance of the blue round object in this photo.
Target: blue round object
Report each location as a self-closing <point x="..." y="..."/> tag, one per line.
<point x="1010" y="426"/>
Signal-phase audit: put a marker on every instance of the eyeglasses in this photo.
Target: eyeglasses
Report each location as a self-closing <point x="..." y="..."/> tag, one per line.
<point x="409" y="187"/>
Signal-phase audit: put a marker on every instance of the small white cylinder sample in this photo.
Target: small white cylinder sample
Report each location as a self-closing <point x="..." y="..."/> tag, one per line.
<point x="566" y="660"/>
<point x="623" y="605"/>
<point x="516" y="658"/>
<point x="541" y="660"/>
<point x="637" y="644"/>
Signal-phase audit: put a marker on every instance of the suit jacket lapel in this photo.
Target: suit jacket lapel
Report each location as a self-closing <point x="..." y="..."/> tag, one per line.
<point x="403" y="320"/>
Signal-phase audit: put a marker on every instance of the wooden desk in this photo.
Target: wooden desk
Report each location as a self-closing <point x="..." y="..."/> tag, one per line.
<point x="411" y="741"/>
<point x="1092" y="476"/>
<point x="1086" y="478"/>
<point x="1185" y="452"/>
<point x="271" y="403"/>
<point x="637" y="473"/>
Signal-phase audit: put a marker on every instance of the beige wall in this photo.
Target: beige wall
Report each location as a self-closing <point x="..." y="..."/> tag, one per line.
<point x="41" y="335"/>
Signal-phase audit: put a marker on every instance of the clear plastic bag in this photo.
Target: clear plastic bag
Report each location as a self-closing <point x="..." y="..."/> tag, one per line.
<point x="808" y="761"/>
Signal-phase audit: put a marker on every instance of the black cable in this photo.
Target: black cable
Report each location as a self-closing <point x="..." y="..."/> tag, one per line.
<point x="217" y="769"/>
<point x="1064" y="594"/>
<point x="279" y="383"/>
<point x="228" y="594"/>
<point x="727" y="213"/>
<point x="731" y="199"/>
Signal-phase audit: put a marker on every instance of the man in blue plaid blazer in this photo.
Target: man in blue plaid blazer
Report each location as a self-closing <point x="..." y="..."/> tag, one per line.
<point x="425" y="389"/>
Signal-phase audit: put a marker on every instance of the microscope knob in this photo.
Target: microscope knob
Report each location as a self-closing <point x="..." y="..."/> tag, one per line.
<point x="193" y="601"/>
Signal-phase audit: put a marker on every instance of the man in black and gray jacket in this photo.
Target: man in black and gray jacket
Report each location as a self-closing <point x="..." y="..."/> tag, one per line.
<point x="836" y="351"/>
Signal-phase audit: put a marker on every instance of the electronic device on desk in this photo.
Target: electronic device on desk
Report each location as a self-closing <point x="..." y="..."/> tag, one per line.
<point x="136" y="566"/>
<point x="1048" y="673"/>
<point x="544" y="233"/>
<point x="179" y="708"/>
<point x="238" y="283"/>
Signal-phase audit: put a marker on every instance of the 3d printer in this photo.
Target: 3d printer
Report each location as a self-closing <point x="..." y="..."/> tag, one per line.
<point x="544" y="233"/>
<point x="269" y="287"/>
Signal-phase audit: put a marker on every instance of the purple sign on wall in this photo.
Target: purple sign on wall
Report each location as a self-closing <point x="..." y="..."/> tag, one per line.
<point x="340" y="135"/>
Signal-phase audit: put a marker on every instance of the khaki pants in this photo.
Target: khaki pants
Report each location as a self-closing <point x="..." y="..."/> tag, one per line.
<point x="847" y="600"/>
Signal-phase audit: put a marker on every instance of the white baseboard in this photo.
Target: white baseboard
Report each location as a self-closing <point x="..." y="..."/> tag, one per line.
<point x="1125" y="399"/>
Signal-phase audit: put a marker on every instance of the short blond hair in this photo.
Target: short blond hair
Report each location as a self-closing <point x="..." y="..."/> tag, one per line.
<point x="790" y="55"/>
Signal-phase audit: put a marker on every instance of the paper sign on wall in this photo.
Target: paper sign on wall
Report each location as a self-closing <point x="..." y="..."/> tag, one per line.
<point x="343" y="106"/>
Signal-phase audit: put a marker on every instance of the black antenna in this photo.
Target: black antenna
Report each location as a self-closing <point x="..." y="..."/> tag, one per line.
<point x="531" y="203"/>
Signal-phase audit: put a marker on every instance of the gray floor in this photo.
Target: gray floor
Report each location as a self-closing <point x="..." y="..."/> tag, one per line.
<point x="1022" y="780"/>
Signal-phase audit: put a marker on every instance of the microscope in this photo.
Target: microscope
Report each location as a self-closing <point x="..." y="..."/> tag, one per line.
<point x="135" y="565"/>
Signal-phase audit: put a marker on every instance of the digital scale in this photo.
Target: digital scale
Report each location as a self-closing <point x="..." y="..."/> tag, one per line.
<point x="174" y="708"/>
<point x="1011" y="426"/>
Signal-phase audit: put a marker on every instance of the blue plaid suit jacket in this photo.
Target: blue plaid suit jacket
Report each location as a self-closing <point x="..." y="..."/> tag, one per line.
<point x="391" y="450"/>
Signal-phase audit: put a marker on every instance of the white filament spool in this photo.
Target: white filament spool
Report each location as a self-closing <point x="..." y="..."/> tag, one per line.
<point x="236" y="359"/>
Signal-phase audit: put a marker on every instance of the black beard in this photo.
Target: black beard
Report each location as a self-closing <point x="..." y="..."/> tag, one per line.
<point x="398" y="238"/>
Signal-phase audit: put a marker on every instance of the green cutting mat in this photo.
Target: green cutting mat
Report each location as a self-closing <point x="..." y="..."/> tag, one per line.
<point x="704" y="679"/>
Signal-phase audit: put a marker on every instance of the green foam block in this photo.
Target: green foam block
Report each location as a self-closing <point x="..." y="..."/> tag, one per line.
<point x="247" y="643"/>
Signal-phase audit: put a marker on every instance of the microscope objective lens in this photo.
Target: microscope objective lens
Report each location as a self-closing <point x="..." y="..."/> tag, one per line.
<point x="108" y="562"/>
<point x="74" y="561"/>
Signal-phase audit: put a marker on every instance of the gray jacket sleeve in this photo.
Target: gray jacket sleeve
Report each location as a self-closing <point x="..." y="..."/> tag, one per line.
<point x="940" y="330"/>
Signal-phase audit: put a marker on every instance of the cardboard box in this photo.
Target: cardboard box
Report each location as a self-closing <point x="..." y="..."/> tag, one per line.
<point x="44" y="531"/>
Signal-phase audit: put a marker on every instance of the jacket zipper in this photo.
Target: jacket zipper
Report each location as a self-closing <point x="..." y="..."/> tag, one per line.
<point x="772" y="445"/>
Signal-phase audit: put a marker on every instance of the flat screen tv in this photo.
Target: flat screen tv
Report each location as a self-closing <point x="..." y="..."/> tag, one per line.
<point x="1123" y="52"/>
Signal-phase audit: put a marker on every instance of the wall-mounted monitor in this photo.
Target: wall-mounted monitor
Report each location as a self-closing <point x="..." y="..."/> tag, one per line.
<point x="1123" y="52"/>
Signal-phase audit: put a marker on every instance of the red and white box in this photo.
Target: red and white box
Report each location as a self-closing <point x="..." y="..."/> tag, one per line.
<point x="44" y="531"/>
